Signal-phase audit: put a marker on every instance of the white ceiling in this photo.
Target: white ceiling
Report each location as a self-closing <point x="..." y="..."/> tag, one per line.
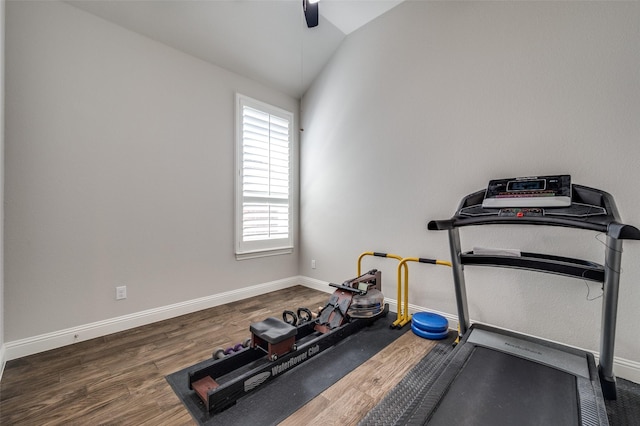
<point x="265" y="40"/>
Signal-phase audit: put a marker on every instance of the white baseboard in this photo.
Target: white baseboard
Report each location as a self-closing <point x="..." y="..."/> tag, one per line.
<point x="3" y="360"/>
<point x="624" y="368"/>
<point x="44" y="342"/>
<point x="315" y="284"/>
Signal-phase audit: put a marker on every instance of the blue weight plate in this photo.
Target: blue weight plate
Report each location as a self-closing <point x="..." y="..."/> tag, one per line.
<point x="429" y="322"/>
<point x="429" y="335"/>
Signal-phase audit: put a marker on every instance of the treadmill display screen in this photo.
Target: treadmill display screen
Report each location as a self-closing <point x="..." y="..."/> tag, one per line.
<point x="531" y="191"/>
<point x="526" y="185"/>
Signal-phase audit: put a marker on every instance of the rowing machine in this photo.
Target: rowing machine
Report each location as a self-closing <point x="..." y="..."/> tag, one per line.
<point x="277" y="346"/>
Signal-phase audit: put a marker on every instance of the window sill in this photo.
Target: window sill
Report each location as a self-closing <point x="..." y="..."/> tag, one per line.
<point x="263" y="253"/>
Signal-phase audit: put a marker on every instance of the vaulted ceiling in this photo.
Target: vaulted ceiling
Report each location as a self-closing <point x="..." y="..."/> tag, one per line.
<point x="265" y="40"/>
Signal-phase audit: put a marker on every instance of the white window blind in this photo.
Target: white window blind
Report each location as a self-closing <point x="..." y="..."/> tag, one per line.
<point x="264" y="169"/>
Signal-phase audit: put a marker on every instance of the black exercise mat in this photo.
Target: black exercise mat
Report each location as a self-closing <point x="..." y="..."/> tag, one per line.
<point x="625" y="410"/>
<point x="280" y="398"/>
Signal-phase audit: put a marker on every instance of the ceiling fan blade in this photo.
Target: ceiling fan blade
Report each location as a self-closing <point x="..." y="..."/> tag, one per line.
<point x="310" y="8"/>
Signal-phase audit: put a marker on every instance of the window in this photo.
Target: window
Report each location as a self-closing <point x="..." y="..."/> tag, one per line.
<point x="264" y="195"/>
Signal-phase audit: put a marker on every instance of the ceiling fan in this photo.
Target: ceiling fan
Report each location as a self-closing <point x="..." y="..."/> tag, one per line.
<point x="310" y="8"/>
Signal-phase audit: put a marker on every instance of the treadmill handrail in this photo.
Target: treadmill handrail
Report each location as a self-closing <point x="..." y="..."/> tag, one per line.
<point x="570" y="267"/>
<point x="608" y="223"/>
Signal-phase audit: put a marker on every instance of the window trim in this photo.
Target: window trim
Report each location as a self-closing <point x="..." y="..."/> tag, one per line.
<point x="273" y="247"/>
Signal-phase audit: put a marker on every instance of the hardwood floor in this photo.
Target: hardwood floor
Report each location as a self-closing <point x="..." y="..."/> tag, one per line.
<point x="119" y="379"/>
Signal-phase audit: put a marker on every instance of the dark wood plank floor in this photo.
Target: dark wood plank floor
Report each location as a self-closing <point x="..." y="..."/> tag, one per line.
<point x="119" y="379"/>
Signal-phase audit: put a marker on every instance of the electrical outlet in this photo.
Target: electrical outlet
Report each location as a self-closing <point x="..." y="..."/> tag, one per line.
<point x="121" y="292"/>
<point x="313" y="264"/>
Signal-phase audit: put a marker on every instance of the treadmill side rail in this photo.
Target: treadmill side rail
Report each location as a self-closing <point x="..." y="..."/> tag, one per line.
<point x="613" y="261"/>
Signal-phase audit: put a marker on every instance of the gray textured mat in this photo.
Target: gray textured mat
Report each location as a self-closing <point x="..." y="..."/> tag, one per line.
<point x="401" y="402"/>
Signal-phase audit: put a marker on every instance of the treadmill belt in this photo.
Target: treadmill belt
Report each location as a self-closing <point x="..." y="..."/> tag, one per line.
<point x="495" y="388"/>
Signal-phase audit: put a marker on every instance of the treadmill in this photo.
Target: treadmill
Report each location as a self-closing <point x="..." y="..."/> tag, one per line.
<point x="498" y="377"/>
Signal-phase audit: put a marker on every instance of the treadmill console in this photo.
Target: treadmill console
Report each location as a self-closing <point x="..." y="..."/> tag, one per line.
<point x="521" y="212"/>
<point x="537" y="191"/>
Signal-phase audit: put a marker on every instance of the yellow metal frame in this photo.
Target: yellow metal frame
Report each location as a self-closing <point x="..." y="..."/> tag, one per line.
<point x="400" y="315"/>
<point x="406" y="317"/>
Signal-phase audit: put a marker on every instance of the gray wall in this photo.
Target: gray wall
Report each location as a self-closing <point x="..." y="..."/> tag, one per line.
<point x="433" y="99"/>
<point x="119" y="171"/>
